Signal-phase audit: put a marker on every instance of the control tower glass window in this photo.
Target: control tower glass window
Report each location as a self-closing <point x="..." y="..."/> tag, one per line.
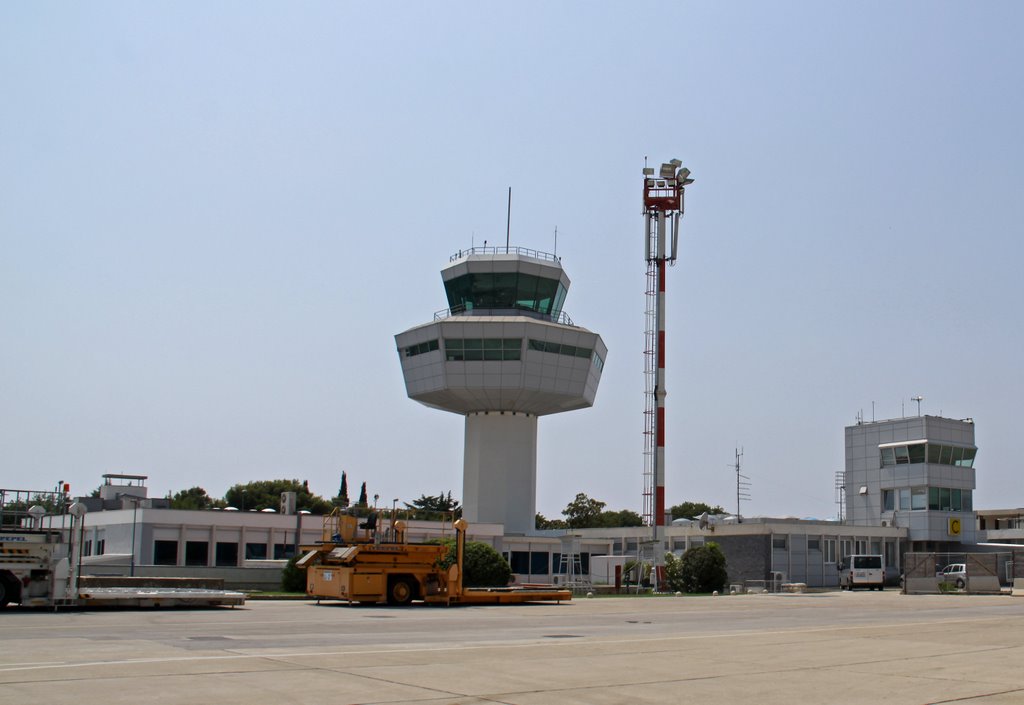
<point x="505" y="290"/>
<point x="475" y="349"/>
<point x="934" y="453"/>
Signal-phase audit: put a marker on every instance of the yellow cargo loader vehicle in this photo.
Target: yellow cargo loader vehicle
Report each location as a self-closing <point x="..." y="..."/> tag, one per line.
<point x="372" y="566"/>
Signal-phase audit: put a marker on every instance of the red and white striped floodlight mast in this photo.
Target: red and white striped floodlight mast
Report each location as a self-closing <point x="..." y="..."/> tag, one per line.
<point x="663" y="207"/>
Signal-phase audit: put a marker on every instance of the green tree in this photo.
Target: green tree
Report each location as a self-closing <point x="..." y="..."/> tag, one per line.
<point x="692" y="510"/>
<point x="342" y="499"/>
<point x="266" y="494"/>
<point x="194" y="498"/>
<point x="701" y="569"/>
<point x="583" y="512"/>
<point x="435" y="507"/>
<point x="482" y="566"/>
<point x="440" y="503"/>
<point x="623" y="517"/>
<point x="542" y="522"/>
<point x="362" y="497"/>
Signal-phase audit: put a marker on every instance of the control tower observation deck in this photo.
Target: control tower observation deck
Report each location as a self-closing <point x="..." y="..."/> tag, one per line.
<point x="502" y="354"/>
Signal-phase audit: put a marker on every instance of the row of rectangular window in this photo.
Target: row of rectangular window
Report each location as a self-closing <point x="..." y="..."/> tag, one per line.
<point x="569" y="350"/>
<point x="828" y="547"/>
<point x="943" y="499"/>
<point x="499" y="349"/>
<point x="537" y="563"/>
<point x="934" y="453"/>
<point x="813" y="544"/>
<point x="426" y="347"/>
<point x="197" y="553"/>
<point x="473" y="349"/>
<point x="100" y="547"/>
<point x="559" y="349"/>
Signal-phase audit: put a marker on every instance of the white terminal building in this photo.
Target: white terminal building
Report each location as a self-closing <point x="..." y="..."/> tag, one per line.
<point x="503" y="354"/>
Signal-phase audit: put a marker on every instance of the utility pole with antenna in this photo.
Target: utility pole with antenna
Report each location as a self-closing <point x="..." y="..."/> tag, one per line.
<point x="508" y="220"/>
<point x="742" y="485"/>
<point x="918" y="399"/>
<point x="840" y="492"/>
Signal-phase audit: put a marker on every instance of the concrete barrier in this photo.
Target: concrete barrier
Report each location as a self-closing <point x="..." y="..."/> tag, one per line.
<point x="983" y="584"/>
<point x="921" y="586"/>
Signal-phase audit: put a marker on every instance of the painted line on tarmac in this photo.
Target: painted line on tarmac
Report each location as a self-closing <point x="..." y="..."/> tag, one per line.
<point x="12" y="666"/>
<point x="573" y="643"/>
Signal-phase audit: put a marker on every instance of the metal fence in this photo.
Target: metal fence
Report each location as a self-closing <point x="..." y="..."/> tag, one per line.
<point x="984" y="571"/>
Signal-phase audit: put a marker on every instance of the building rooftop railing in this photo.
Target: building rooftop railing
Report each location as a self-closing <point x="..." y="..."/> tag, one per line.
<point x="15" y="505"/>
<point x="491" y="250"/>
<point x="562" y="318"/>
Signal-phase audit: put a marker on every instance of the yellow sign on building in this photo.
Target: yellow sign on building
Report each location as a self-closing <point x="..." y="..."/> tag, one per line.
<point x="954" y="527"/>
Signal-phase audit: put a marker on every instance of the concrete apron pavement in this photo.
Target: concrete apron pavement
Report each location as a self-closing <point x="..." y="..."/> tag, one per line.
<point x="834" y="647"/>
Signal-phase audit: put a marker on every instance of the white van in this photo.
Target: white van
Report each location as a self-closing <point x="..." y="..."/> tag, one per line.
<point x="861" y="571"/>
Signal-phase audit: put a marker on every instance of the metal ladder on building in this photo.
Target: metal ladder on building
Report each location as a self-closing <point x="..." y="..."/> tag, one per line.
<point x="570" y="565"/>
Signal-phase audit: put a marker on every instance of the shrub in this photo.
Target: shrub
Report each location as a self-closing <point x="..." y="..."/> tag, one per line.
<point x="481" y="564"/>
<point x="701" y="569"/>
<point x="293" y="578"/>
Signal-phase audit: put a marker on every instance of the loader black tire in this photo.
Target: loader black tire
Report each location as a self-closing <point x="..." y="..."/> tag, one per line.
<point x="401" y="590"/>
<point x="8" y="592"/>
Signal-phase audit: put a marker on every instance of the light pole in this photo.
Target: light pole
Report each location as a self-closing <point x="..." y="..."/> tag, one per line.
<point x="918" y="399"/>
<point x="135" y="515"/>
<point x="77" y="512"/>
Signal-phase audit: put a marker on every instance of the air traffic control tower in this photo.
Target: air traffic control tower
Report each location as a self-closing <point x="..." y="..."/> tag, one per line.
<point x="502" y="354"/>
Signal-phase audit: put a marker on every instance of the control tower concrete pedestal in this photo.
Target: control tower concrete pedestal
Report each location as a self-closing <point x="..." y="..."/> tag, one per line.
<point x="502" y="354"/>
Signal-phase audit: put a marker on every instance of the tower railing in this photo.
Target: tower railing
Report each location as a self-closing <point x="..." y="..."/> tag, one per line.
<point x="498" y="250"/>
<point x="562" y="318"/>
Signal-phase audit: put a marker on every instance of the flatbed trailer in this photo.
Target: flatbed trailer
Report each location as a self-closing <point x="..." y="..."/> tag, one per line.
<point x="158" y="597"/>
<point x="511" y="595"/>
<point x="366" y="569"/>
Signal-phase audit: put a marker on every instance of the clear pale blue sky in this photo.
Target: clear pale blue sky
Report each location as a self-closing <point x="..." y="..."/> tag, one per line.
<point x="214" y="217"/>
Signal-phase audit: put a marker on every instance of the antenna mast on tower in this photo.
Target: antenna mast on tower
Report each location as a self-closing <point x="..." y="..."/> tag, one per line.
<point x="663" y="207"/>
<point x="742" y="484"/>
